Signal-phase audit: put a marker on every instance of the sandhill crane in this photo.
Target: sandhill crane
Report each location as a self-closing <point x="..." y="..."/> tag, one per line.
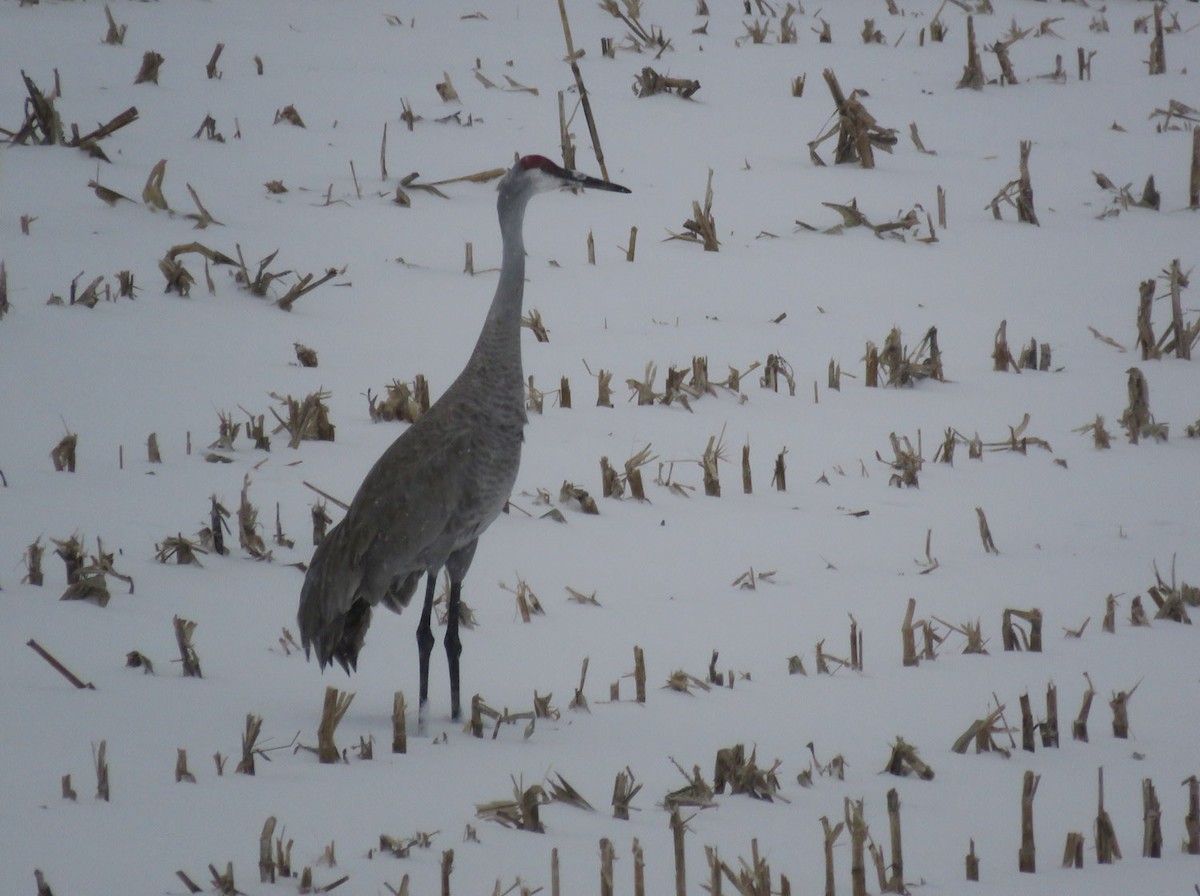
<point x="432" y="493"/>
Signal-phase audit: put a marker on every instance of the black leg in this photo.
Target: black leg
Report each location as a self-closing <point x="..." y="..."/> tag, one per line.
<point x="453" y="647"/>
<point x="425" y="641"/>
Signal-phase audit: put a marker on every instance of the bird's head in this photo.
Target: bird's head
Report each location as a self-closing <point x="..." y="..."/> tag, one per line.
<point x="537" y="174"/>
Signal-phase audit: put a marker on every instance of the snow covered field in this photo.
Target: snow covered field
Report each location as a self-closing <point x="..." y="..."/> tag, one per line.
<point x="1073" y="523"/>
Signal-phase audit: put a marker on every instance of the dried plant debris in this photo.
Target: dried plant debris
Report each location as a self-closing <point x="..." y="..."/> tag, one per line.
<point x="1017" y="637"/>
<point x="1179" y="336"/>
<point x="982" y="733"/>
<point x="1017" y="440"/>
<point x="401" y="847"/>
<point x="1122" y="196"/>
<point x="748" y="580"/>
<point x="33" y="563"/>
<point x="96" y="290"/>
<point x="1018" y="193"/>
<point x="561" y="791"/>
<point x="334" y="707"/>
<point x="776" y="368"/>
<point x="306" y="420"/>
<point x="71" y="552"/>
<point x="261" y="282"/>
<point x="644" y="389"/>
<point x="907" y="226"/>
<point x="62" y="455"/>
<point x="249" y="536"/>
<point x="305" y="356"/>
<point x="572" y="492"/>
<point x="702" y="226"/>
<point x="904" y="760"/>
<point x="1033" y="356"/>
<point x="87" y="574"/>
<point x="743" y="774"/>
<point x="835" y="768"/>
<point x="152" y="194"/>
<point x="227" y="432"/>
<point x="289" y="115"/>
<point x="44" y="127"/>
<point x="1176" y="117"/>
<point x="858" y="134"/>
<point x="184" y="629"/>
<point x="212" y="536"/>
<point x="666" y="472"/>
<point x="178" y="278"/>
<point x="445" y="89"/>
<point x="513" y="85"/>
<point x="649" y="82"/>
<point x="901" y="366"/>
<point x="148" y="72"/>
<point x="522" y="812"/>
<point x="972" y="76"/>
<point x="135" y="659"/>
<point x="907" y="461"/>
<point x="640" y="37"/>
<point x="580" y="598"/>
<point x="441" y="606"/>
<point x="4" y="304"/>
<point x="1136" y="419"/>
<point x="579" y="701"/>
<point x="528" y="604"/>
<point x="683" y="682"/>
<point x="202" y="216"/>
<point x="696" y="793"/>
<point x="401" y="401"/>
<point x="971" y="631"/>
<point x="1172" y="600"/>
<point x="625" y="788"/>
<point x="115" y="36"/>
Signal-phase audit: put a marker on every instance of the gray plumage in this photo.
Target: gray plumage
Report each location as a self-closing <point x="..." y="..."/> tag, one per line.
<point x="433" y="492"/>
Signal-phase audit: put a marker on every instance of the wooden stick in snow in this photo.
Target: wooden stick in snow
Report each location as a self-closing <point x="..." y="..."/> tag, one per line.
<point x="973" y="76"/>
<point x="1152" y="821"/>
<point x="678" y="828"/>
<point x="100" y="757"/>
<point x="399" y="734"/>
<point x="59" y="667"/>
<point x="573" y="59"/>
<point x="1027" y="854"/>
<point x="336" y="704"/>
<point x="1191" y="821"/>
<point x="1107" y="848"/>
<point x="1194" y="180"/>
<point x="896" y="881"/>
<point x="607" y="857"/>
<point x="266" y="861"/>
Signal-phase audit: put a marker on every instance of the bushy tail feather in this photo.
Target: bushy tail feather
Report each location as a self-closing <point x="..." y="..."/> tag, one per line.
<point x="333" y="621"/>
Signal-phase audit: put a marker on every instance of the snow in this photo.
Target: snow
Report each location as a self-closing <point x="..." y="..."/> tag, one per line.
<point x="1069" y="533"/>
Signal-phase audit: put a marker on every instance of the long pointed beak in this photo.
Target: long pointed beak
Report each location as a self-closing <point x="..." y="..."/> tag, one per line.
<point x="579" y="179"/>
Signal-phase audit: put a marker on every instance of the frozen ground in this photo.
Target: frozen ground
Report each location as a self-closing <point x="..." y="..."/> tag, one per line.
<point x="1072" y="524"/>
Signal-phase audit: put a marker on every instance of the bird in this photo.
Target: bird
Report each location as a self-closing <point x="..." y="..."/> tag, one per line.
<point x="424" y="504"/>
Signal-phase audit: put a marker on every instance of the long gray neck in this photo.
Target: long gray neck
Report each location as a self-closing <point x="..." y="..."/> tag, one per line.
<point x="495" y="365"/>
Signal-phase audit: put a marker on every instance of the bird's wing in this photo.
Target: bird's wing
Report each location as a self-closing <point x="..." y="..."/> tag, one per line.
<point x="397" y="517"/>
<point x="388" y="539"/>
<point x="405" y="502"/>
